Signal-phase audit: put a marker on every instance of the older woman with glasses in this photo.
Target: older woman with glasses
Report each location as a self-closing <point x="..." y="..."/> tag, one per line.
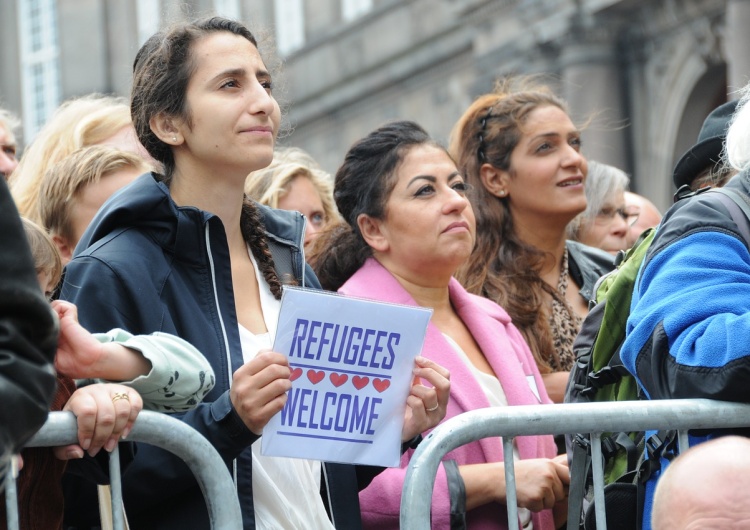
<point x="522" y="153"/>
<point x="605" y="222"/>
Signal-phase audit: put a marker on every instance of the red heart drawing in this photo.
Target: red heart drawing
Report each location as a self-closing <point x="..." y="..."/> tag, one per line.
<point x="296" y="372"/>
<point x="315" y="377"/>
<point x="360" y="382"/>
<point x="381" y="384"/>
<point x="338" y="379"/>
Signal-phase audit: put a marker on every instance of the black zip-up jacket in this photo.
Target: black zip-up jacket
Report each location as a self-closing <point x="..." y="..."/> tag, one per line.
<point x="147" y="265"/>
<point x="586" y="265"/>
<point x="28" y="338"/>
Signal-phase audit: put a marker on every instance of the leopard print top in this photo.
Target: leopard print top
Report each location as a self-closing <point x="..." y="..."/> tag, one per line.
<point x="564" y="323"/>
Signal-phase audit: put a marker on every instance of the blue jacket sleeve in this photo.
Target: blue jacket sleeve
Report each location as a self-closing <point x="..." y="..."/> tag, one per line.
<point x="689" y="328"/>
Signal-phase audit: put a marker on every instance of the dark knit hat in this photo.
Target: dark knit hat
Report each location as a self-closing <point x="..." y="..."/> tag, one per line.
<point x="708" y="149"/>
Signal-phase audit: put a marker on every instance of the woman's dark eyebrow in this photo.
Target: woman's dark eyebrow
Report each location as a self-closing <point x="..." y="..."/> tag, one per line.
<point x="552" y="134"/>
<point x="232" y="72"/>
<point x="241" y="72"/>
<point x="432" y="179"/>
<point x="545" y="135"/>
<point x="423" y="177"/>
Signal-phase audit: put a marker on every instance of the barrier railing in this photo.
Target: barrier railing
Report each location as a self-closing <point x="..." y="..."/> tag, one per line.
<point x="161" y="431"/>
<point x="594" y="418"/>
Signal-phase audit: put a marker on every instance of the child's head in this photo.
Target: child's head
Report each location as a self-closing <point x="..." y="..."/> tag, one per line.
<point x="73" y="190"/>
<point x="46" y="257"/>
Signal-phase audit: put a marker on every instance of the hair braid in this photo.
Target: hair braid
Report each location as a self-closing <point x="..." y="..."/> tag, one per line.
<point x="253" y="231"/>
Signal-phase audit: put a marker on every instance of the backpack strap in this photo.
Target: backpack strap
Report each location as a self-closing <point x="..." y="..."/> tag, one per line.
<point x="661" y="444"/>
<point x="739" y="209"/>
<point x="631" y="449"/>
<point x="579" y="472"/>
<point x="607" y="375"/>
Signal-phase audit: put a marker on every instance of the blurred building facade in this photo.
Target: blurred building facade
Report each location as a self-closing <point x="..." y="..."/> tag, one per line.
<point x="642" y="73"/>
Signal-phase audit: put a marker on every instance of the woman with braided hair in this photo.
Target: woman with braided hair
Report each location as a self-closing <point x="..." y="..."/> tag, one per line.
<point x="185" y="252"/>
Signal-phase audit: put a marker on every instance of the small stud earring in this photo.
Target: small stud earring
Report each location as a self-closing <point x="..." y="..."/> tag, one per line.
<point x="174" y="139"/>
<point x="501" y="193"/>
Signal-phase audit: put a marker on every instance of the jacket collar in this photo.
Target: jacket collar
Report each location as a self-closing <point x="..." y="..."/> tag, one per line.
<point x="147" y="205"/>
<point x="586" y="265"/>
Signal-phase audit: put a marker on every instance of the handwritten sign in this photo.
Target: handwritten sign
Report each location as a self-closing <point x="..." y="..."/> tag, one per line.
<point x="351" y="362"/>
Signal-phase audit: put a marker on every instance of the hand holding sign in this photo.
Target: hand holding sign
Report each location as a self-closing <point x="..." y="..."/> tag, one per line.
<point x="351" y="370"/>
<point x="259" y="389"/>
<point x="426" y="407"/>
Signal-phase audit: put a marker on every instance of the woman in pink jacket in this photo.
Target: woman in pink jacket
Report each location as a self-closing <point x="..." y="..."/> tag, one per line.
<point x="409" y="227"/>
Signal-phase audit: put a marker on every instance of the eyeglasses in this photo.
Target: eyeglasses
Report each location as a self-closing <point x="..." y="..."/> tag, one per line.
<point x="607" y="215"/>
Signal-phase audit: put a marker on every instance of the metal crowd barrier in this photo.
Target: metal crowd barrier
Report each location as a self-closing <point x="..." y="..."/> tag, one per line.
<point x="594" y="418"/>
<point x="161" y="431"/>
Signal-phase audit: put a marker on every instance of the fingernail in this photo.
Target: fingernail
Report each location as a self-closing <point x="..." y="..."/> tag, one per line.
<point x="125" y="433"/>
<point x="86" y="443"/>
<point x="74" y="454"/>
<point x="420" y="359"/>
<point x="110" y="445"/>
<point x="93" y="452"/>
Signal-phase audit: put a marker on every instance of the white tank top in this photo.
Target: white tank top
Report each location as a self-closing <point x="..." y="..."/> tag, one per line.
<point x="286" y="491"/>
<point x="495" y="394"/>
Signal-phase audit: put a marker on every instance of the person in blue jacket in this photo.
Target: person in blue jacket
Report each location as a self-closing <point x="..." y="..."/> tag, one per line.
<point x="185" y="252"/>
<point x="689" y="328"/>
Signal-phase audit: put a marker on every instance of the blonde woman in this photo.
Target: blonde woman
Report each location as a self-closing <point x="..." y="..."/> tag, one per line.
<point x="294" y="181"/>
<point x="89" y="120"/>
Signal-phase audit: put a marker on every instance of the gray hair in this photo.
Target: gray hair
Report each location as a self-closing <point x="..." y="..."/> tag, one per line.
<point x="737" y="143"/>
<point x="9" y="122"/>
<point x="602" y="183"/>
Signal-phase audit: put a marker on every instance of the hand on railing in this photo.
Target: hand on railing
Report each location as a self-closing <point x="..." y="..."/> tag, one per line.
<point x="105" y="412"/>
<point x="170" y="434"/>
<point x="541" y="483"/>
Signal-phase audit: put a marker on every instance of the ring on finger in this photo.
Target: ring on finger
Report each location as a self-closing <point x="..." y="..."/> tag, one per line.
<point x="433" y="409"/>
<point x="120" y="395"/>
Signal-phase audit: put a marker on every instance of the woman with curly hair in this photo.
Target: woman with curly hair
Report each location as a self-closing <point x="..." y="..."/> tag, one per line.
<point x="521" y="151"/>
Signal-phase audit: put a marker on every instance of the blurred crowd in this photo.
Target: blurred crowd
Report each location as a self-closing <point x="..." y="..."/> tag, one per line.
<point x="147" y="241"/>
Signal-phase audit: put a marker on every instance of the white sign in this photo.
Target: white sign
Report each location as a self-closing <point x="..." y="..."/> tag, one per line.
<point x="351" y="362"/>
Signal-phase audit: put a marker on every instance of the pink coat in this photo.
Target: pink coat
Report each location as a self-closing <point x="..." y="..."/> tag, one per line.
<point x="512" y="361"/>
